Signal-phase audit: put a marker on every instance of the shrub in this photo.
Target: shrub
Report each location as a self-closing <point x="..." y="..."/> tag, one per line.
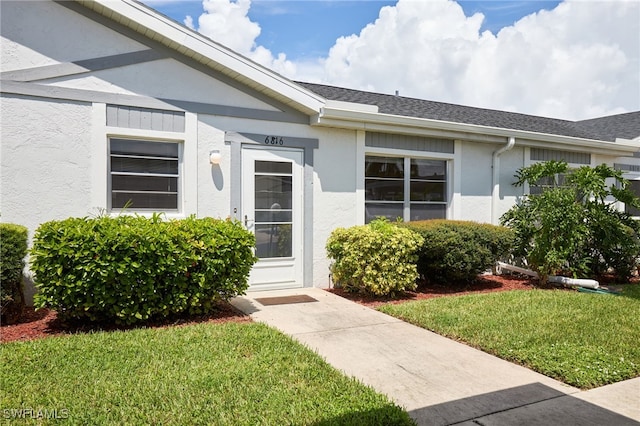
<point x="13" y="250"/>
<point x="130" y="269"/>
<point x="574" y="228"/>
<point x="455" y="251"/>
<point x="378" y="258"/>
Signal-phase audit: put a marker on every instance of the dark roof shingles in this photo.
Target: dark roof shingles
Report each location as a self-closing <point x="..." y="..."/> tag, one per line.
<point x="606" y="128"/>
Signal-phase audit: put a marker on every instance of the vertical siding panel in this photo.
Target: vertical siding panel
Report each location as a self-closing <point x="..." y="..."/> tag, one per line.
<point x="156" y="120"/>
<point x="145" y="120"/>
<point x="410" y="143"/>
<point x="123" y="117"/>
<point x="134" y="118"/>
<point x="180" y="122"/>
<point x="112" y="115"/>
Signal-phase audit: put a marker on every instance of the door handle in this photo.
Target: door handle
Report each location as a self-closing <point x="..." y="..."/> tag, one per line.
<point x="247" y="220"/>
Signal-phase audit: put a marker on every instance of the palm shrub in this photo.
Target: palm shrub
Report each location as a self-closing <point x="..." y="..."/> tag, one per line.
<point x="130" y="269"/>
<point x="574" y="228"/>
<point x="13" y="250"/>
<point x="457" y="251"/>
<point x="378" y="258"/>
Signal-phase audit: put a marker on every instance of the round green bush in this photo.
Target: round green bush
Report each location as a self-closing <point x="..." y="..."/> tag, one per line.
<point x="130" y="269"/>
<point x="457" y="251"/>
<point x="378" y="258"/>
<point x="13" y="250"/>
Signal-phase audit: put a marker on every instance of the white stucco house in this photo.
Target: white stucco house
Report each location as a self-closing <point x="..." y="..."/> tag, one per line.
<point x="108" y="105"/>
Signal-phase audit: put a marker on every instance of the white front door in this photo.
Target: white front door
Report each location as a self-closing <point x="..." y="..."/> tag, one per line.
<point x="272" y="203"/>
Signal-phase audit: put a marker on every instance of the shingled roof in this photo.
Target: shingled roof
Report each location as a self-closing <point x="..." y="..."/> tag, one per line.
<point x="625" y="126"/>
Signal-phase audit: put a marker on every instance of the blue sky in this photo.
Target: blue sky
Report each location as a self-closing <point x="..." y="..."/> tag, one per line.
<point x="572" y="59"/>
<point x="309" y="28"/>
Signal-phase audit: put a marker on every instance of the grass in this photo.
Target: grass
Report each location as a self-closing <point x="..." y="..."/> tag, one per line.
<point x="224" y="374"/>
<point x="585" y="340"/>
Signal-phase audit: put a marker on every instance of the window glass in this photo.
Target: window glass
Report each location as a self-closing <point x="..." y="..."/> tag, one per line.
<point x="634" y="186"/>
<point x="386" y="179"/>
<point x="144" y="175"/>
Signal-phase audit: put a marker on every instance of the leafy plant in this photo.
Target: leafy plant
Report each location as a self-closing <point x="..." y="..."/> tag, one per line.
<point x="13" y="250"/>
<point x="455" y="251"/>
<point x="129" y="269"/>
<point x="378" y="258"/>
<point x="574" y="228"/>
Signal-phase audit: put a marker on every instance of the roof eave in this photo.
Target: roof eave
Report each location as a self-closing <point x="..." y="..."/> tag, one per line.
<point x="359" y="120"/>
<point x="146" y="21"/>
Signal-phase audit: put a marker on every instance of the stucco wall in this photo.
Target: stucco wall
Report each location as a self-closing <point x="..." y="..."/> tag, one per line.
<point x="335" y="202"/>
<point x="475" y="185"/>
<point x="29" y="40"/>
<point x="45" y="161"/>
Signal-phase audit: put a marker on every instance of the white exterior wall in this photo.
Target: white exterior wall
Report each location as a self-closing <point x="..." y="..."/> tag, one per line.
<point x="475" y="185"/>
<point x="37" y="38"/>
<point x="45" y="165"/>
<point x="510" y="162"/>
<point x="46" y="160"/>
<point x="334" y="198"/>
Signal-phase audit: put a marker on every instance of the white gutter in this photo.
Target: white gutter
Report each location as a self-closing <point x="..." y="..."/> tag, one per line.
<point x="495" y="166"/>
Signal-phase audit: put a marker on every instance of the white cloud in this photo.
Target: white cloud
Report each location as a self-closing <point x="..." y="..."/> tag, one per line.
<point x="580" y="60"/>
<point x="228" y="23"/>
<point x="577" y="61"/>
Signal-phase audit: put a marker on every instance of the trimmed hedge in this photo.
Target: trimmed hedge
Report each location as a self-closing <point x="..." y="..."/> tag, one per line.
<point x="457" y="251"/>
<point x="378" y="258"/>
<point x="13" y="250"/>
<point x="130" y="269"/>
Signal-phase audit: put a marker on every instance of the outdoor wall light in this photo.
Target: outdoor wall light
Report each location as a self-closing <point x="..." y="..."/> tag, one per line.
<point x="215" y="157"/>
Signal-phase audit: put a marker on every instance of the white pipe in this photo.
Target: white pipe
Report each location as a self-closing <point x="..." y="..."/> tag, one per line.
<point x="495" y="165"/>
<point x="502" y="265"/>
<point x="573" y="281"/>
<point x="552" y="278"/>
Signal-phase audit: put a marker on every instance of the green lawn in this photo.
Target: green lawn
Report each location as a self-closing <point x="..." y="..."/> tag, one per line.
<point x="585" y="340"/>
<point x="226" y="374"/>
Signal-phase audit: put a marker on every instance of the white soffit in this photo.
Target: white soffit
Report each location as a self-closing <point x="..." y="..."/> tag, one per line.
<point x="159" y="28"/>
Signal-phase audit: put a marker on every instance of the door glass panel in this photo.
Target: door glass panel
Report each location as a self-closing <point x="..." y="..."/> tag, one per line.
<point x="273" y="167"/>
<point x="273" y="209"/>
<point x="273" y="192"/>
<point x="273" y="240"/>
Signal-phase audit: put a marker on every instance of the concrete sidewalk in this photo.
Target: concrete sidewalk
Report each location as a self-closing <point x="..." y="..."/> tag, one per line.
<point x="437" y="380"/>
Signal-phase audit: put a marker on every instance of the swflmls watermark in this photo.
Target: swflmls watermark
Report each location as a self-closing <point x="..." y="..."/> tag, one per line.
<point x="35" y="413"/>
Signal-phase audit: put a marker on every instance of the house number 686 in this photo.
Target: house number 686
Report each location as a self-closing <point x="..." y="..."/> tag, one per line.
<point x="274" y="140"/>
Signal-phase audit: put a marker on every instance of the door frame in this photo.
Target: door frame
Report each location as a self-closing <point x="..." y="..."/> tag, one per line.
<point x="237" y="140"/>
<point x="275" y="272"/>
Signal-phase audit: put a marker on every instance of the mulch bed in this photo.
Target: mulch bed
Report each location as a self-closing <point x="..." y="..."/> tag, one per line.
<point x="484" y="284"/>
<point x="36" y="324"/>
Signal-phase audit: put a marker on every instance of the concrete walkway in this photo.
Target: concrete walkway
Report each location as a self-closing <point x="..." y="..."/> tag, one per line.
<point x="437" y="380"/>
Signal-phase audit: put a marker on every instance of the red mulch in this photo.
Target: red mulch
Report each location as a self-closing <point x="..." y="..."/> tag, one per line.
<point x="40" y="323"/>
<point x="484" y="284"/>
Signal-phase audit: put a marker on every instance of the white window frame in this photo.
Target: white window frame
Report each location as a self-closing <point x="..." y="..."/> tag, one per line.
<point x="190" y="158"/>
<point x="180" y="189"/>
<point x="631" y="176"/>
<point x="408" y="156"/>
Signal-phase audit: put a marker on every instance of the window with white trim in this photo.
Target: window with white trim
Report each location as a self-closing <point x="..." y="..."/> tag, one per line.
<point x="144" y="175"/>
<point x="634" y="186"/>
<point x="405" y="188"/>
